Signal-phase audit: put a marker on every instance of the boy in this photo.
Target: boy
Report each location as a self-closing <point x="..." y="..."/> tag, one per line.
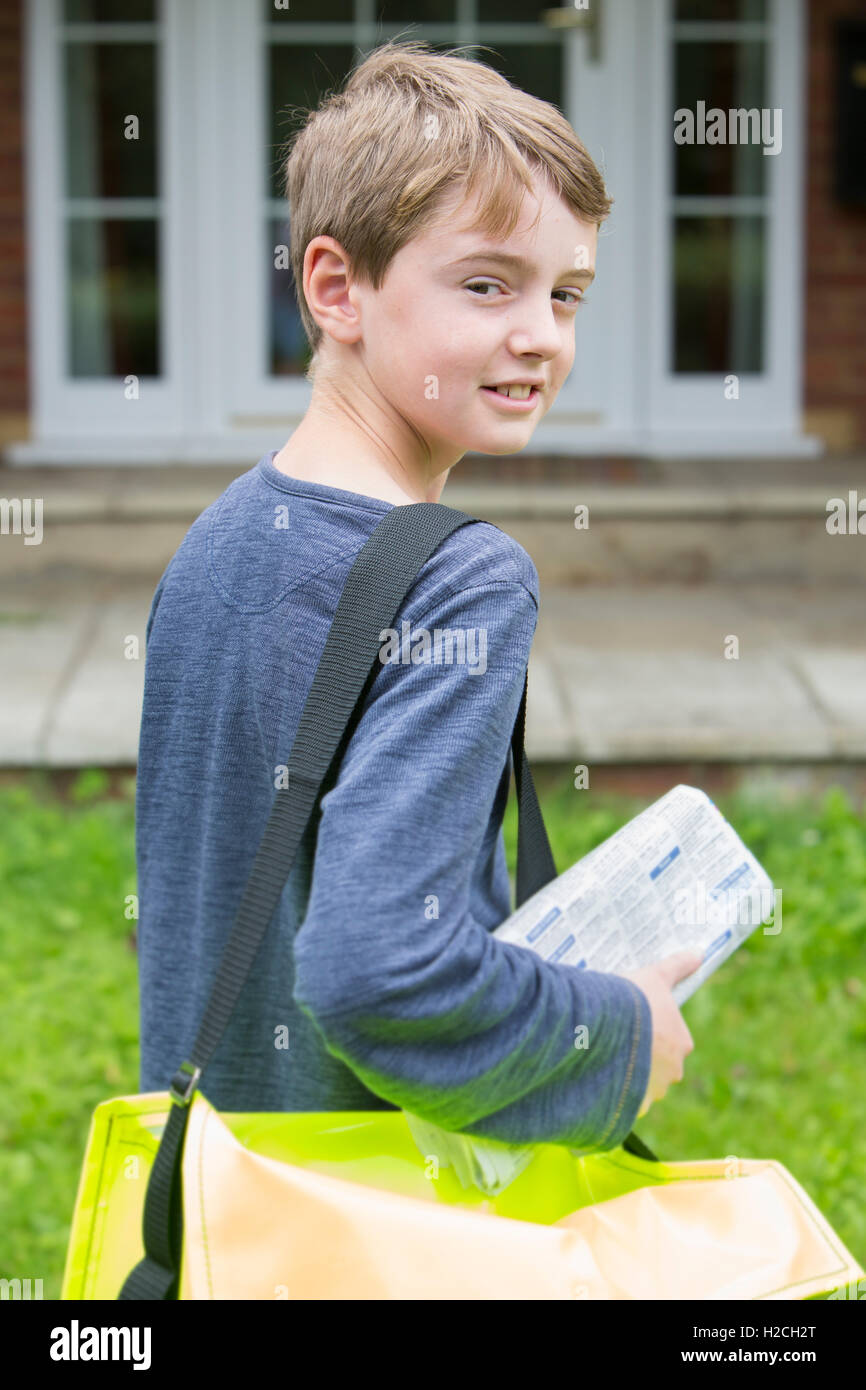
<point x="379" y="984"/>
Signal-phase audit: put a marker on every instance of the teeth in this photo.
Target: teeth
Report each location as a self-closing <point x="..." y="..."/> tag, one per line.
<point x="517" y="393"/>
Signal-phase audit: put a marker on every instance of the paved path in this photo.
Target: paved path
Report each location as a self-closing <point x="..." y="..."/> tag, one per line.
<point x="618" y="674"/>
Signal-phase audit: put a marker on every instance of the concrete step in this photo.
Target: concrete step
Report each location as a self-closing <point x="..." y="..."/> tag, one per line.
<point x="683" y="525"/>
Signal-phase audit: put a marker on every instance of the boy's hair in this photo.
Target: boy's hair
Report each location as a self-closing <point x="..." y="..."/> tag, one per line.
<point x="372" y="162"/>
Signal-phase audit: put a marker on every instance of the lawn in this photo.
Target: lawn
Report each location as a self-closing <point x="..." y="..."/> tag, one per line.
<point x="780" y="1030"/>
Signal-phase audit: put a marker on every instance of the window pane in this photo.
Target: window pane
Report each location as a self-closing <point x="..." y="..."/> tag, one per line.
<point x="536" y="67"/>
<point x="416" y="12"/>
<point x="113" y="324"/>
<point x="110" y="11"/>
<point x="724" y="77"/>
<point x="289" y="349"/>
<point x="105" y="84"/>
<point x="308" y="11"/>
<point x="721" y="9"/>
<point x="298" y="76"/>
<point x="718" y="294"/>
<point x="513" y="11"/>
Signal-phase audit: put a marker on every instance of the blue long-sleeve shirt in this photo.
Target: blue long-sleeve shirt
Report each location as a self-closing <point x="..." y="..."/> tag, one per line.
<point x="379" y="983"/>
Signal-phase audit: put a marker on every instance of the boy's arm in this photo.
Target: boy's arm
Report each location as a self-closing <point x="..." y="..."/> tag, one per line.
<point x="430" y="1010"/>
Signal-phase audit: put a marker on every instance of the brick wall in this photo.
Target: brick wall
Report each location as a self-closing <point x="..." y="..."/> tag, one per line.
<point x="835" y="261"/>
<point x="13" y="267"/>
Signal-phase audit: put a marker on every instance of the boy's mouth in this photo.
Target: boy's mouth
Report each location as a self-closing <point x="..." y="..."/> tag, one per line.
<point x="514" y="397"/>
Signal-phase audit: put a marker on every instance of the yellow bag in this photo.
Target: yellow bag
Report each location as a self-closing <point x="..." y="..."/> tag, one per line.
<point x="344" y="1205"/>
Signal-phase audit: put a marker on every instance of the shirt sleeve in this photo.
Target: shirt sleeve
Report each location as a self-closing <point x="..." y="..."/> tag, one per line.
<point x="431" y="1011"/>
<point x="154" y="604"/>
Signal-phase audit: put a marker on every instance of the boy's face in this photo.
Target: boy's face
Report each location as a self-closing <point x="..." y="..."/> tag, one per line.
<point x="451" y="320"/>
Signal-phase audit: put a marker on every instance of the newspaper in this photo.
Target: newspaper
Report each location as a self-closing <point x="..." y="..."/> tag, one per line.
<point x="482" y="1163"/>
<point x="676" y="877"/>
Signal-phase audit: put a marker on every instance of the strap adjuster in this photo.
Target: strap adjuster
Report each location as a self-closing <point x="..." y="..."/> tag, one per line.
<point x="181" y="1090"/>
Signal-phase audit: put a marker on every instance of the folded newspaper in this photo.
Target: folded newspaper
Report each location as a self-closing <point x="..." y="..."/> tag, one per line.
<point x="676" y="877"/>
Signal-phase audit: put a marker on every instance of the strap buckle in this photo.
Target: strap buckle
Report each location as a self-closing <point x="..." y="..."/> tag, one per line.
<point x="180" y="1089"/>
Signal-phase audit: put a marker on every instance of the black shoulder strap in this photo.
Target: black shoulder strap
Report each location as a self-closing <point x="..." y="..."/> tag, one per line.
<point x="377" y="584"/>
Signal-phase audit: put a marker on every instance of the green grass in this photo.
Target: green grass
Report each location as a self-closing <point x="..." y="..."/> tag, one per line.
<point x="68" y="981"/>
<point x="779" y="1031"/>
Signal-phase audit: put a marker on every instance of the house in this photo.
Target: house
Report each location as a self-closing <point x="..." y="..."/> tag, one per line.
<point x="149" y="314"/>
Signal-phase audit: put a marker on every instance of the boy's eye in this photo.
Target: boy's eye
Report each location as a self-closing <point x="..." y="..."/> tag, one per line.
<point x="485" y="284"/>
<point x="576" y="299"/>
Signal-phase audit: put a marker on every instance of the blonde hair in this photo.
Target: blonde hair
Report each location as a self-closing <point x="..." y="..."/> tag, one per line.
<point x="372" y="163"/>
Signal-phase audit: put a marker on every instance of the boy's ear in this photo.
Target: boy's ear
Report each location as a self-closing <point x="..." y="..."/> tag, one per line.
<point x="328" y="280"/>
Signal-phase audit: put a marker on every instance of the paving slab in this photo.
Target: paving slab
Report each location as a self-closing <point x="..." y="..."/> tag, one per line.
<point x="641" y="674"/>
<point x="97" y="717"/>
<point x="68" y="695"/>
<point x="618" y="674"/>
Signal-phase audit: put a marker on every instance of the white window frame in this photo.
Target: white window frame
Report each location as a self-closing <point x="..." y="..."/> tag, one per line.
<point x="256" y="400"/>
<point x="70" y="412"/>
<point x="216" y="401"/>
<point x="688" y="413"/>
<point x="619" y="396"/>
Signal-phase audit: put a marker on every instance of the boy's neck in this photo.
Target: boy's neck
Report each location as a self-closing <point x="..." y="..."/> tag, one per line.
<point x="340" y="466"/>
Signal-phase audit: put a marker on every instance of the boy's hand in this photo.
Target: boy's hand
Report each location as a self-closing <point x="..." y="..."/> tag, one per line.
<point x="672" y="1041"/>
